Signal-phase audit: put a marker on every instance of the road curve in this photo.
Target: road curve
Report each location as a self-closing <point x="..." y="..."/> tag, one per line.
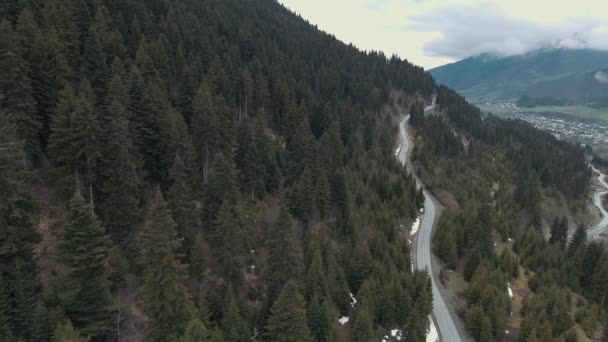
<point x="597" y="201"/>
<point x="442" y="317"/>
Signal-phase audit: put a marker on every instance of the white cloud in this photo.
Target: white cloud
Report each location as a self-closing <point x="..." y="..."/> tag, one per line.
<point x="431" y="33"/>
<point x="469" y="30"/>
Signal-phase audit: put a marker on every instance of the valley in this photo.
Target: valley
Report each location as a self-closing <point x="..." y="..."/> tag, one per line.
<point x="590" y="127"/>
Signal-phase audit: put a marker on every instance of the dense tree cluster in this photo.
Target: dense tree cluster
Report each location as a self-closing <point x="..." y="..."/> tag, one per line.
<point x="221" y="171"/>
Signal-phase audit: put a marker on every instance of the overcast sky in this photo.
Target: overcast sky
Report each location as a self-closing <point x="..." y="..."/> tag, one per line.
<point x="432" y="33"/>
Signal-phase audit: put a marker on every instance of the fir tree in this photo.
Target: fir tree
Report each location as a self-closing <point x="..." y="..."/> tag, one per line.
<point x="225" y="238"/>
<point x="183" y="193"/>
<point x="74" y="140"/>
<point x="83" y="249"/>
<point x="65" y="331"/>
<point x="284" y="253"/>
<point x="119" y="168"/>
<point x="233" y="324"/>
<point x="287" y="321"/>
<point x="204" y="128"/>
<point x="222" y="187"/>
<point x="168" y="306"/>
<point x="16" y="93"/>
<point x="195" y="332"/>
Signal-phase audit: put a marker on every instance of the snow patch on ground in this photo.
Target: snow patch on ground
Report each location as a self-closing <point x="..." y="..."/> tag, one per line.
<point x="432" y="335"/>
<point x="343" y="320"/>
<point x="416" y="225"/>
<point x="353" y="300"/>
<point x="509" y="290"/>
<point x="396" y="333"/>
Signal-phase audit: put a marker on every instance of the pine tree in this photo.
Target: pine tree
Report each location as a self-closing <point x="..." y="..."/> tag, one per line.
<point x="195" y="332"/>
<point x="184" y="192"/>
<point x="287" y="321"/>
<point x="249" y="162"/>
<point x="41" y="328"/>
<point x="362" y="324"/>
<point x="599" y="281"/>
<point x="83" y="249"/>
<point x="168" y="307"/>
<point x="559" y="232"/>
<point x="204" y="128"/>
<point x="16" y="93"/>
<point x="284" y="253"/>
<point x="225" y="238"/>
<point x="316" y="283"/>
<point x="6" y="326"/>
<point x="65" y="331"/>
<point x="119" y="167"/>
<point x="322" y="317"/>
<point x="578" y="239"/>
<point x="233" y="324"/>
<point x="222" y="187"/>
<point x="94" y="64"/>
<point x="50" y="73"/>
<point x="17" y="234"/>
<point x="74" y="140"/>
<point x="301" y="197"/>
<point x="485" y="334"/>
<point x="271" y="172"/>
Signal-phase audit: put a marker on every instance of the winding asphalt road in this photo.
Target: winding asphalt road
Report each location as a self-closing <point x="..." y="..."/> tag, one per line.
<point x="442" y="317"/>
<point x="597" y="201"/>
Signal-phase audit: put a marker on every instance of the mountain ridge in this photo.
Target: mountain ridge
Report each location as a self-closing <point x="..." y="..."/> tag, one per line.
<point x="568" y="74"/>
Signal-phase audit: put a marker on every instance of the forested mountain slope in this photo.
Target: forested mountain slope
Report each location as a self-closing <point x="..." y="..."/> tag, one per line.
<point x="199" y="170"/>
<point x="221" y="170"/>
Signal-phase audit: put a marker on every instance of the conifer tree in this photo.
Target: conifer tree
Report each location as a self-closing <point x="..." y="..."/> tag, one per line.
<point x="362" y="324"/>
<point x="225" y="238"/>
<point x="168" y="307"/>
<point x="578" y="239"/>
<point x="83" y="249"/>
<point x="287" y="321"/>
<point x="94" y="64"/>
<point x="233" y="324"/>
<point x="248" y="161"/>
<point x="316" y="283"/>
<point x="195" y="332"/>
<point x="16" y="93"/>
<point x="284" y="252"/>
<point x="6" y="326"/>
<point x="599" y="281"/>
<point x="184" y="191"/>
<point x="17" y="233"/>
<point x="65" y="331"/>
<point x="120" y="167"/>
<point x="204" y="128"/>
<point x="301" y="197"/>
<point x="74" y="140"/>
<point x="222" y="187"/>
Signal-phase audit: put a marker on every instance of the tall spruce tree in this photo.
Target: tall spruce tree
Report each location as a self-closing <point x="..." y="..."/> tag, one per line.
<point x="119" y="167"/>
<point x="20" y="283"/>
<point x="225" y="239"/>
<point x="83" y="249"/>
<point x="166" y="300"/>
<point x="74" y="141"/>
<point x="16" y="93"/>
<point x="284" y="253"/>
<point x="288" y="321"/>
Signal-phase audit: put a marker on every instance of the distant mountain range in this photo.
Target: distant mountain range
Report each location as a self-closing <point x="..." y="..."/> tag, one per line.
<point x="542" y="77"/>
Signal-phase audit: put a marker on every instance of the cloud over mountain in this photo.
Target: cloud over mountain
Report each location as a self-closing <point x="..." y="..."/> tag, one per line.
<point x="469" y="30"/>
